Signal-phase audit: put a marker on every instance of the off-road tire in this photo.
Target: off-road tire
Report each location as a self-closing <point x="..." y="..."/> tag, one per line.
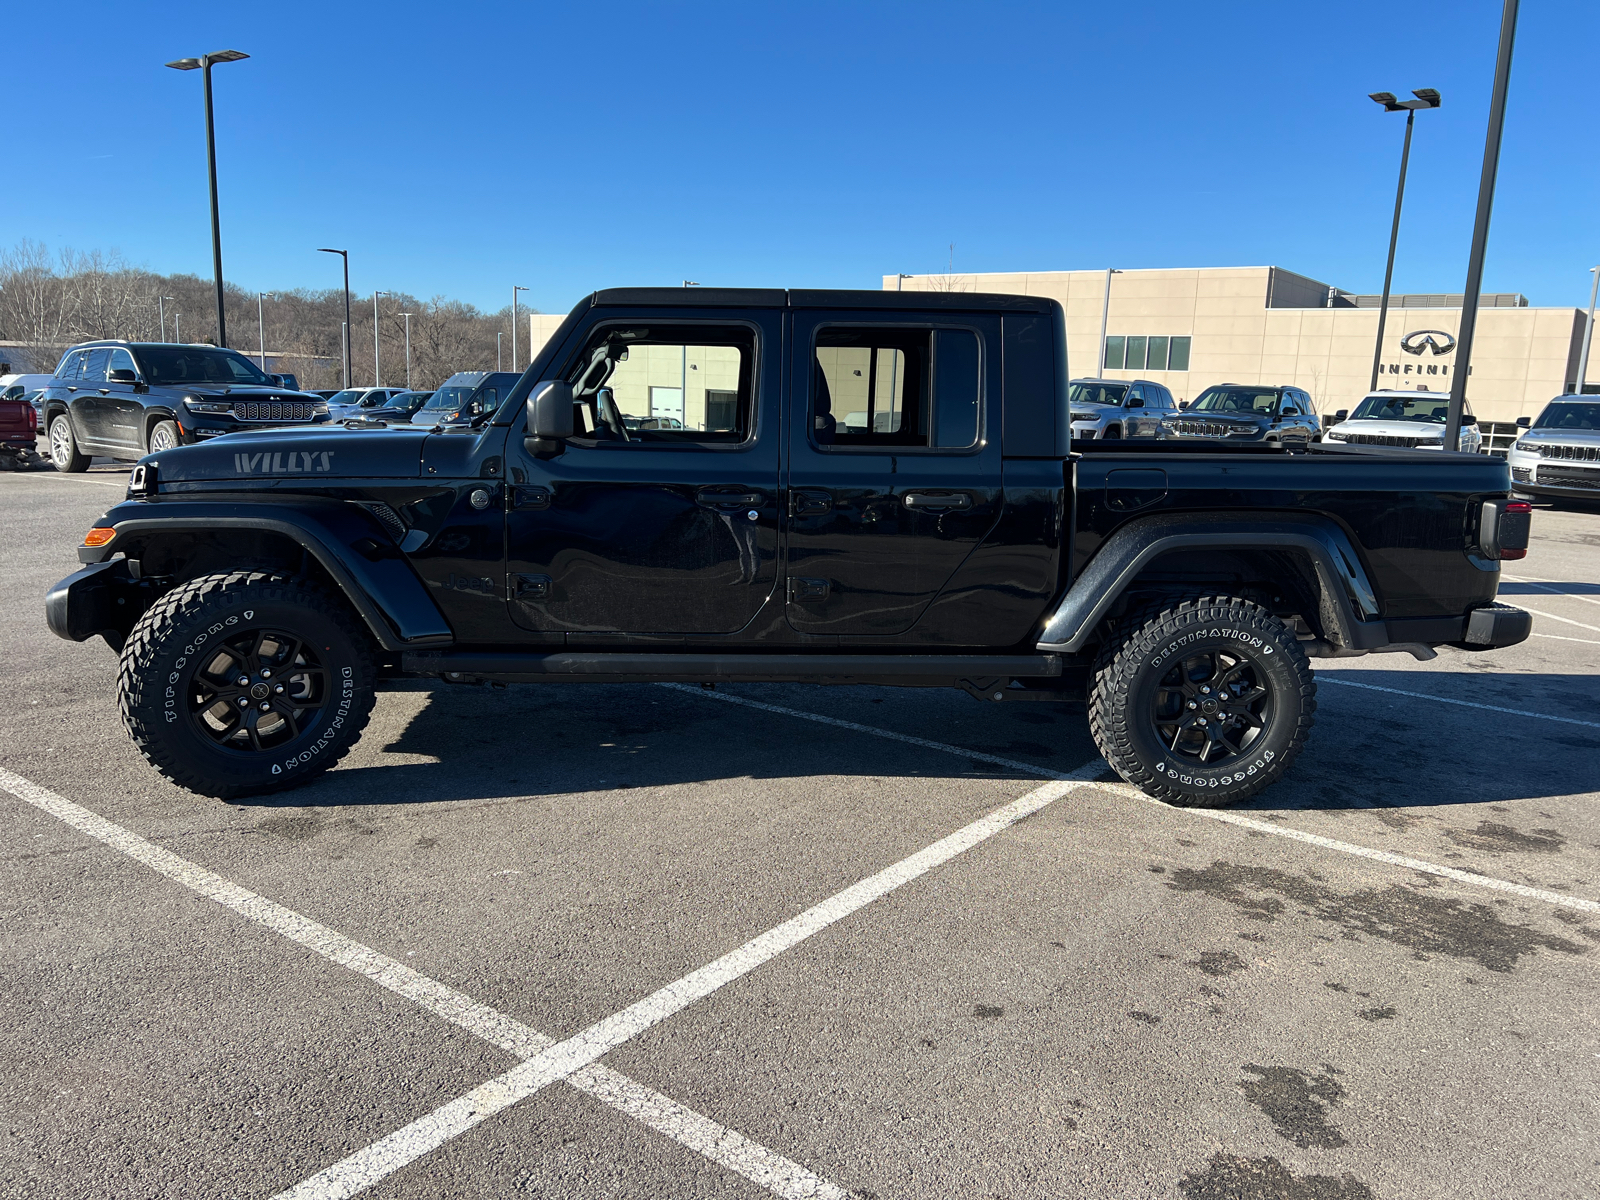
<point x="172" y="648"/>
<point x="1147" y="661"/>
<point x="64" y="452"/>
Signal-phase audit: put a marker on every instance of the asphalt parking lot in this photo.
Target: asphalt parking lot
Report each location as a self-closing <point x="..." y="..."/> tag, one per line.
<point x="645" y="941"/>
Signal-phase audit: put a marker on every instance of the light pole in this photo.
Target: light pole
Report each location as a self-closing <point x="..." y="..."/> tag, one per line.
<point x="1480" y="227"/>
<point x="1425" y="98"/>
<point x="1588" y="335"/>
<point x="177" y="326"/>
<point x="261" y="327"/>
<point x="345" y="333"/>
<point x="407" y="316"/>
<point x="499" y="359"/>
<point x="514" y="360"/>
<point x="161" y="313"/>
<point x="204" y="63"/>
<point x="1105" y="316"/>
<point x="377" y="374"/>
<point x="900" y="279"/>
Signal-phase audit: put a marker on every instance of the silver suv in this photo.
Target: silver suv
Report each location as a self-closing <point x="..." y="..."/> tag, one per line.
<point x="1118" y="408"/>
<point x="1559" y="458"/>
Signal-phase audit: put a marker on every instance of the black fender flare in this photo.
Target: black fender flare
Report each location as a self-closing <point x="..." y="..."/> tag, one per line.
<point x="347" y="540"/>
<point x="1350" y="601"/>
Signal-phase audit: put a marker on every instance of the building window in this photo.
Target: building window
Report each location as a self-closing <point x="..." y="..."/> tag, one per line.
<point x="1125" y="353"/>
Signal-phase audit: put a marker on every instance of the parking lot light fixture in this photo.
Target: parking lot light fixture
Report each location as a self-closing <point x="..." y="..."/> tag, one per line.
<point x="514" y="361"/>
<point x="261" y="327"/>
<point x="407" y="316"/>
<point x="499" y="358"/>
<point x="900" y="279"/>
<point x="161" y="313"/>
<point x="1425" y="98"/>
<point x="1480" y="226"/>
<point x="204" y="64"/>
<point x="1588" y="335"/>
<point x="1105" y="316"/>
<point x="377" y="373"/>
<point x="344" y="335"/>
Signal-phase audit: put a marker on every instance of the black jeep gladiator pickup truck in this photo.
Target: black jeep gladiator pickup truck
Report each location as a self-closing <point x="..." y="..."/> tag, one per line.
<point x="831" y="487"/>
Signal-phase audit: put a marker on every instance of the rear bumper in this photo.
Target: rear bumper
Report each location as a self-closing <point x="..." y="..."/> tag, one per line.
<point x="1497" y="625"/>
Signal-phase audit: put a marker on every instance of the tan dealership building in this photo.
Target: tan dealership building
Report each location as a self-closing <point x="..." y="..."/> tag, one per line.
<point x="1192" y="327"/>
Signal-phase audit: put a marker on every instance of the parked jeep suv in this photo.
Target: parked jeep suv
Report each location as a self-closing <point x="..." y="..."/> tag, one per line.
<point x="1411" y="420"/>
<point x="1116" y="408"/>
<point x="1278" y="415"/>
<point x="1559" y="458"/>
<point x="124" y="400"/>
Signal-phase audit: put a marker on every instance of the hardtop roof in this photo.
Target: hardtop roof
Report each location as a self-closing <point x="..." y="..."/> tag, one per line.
<point x="705" y="297"/>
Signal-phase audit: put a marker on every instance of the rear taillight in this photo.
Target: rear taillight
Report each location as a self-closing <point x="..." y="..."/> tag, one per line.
<point x="1511" y="530"/>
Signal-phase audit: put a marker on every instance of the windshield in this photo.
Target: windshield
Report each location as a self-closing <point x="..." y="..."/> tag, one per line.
<point x="1432" y="407"/>
<point x="1570" y="415"/>
<point x="450" y="397"/>
<point x="1096" y="393"/>
<point x="1237" y="400"/>
<point x="348" y="396"/>
<point x="164" y="365"/>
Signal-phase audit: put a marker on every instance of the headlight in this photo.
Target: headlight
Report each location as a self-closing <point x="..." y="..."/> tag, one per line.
<point x="1334" y="436"/>
<point x="1083" y="416"/>
<point x="319" y="408"/>
<point x="194" y="404"/>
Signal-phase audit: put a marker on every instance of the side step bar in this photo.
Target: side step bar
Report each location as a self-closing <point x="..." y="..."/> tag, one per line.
<point x="581" y="666"/>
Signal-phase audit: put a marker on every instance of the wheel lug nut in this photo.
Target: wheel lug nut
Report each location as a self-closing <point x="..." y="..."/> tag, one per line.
<point x="266" y="674"/>
<point x="265" y="706"/>
<point x="1192" y="704"/>
<point x="244" y="681"/>
<point x="243" y="703"/>
<point x="279" y="688"/>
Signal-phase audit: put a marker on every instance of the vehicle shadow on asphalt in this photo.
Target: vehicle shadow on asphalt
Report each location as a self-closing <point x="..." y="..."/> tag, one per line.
<point x="1369" y="750"/>
<point x="554" y="739"/>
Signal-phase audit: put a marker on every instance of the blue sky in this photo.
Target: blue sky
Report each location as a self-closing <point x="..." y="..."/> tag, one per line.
<point x="458" y="149"/>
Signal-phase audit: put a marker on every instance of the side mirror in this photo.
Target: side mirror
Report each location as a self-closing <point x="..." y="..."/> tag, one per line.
<point x="1342" y="415"/>
<point x="550" y="414"/>
<point x="1182" y="404"/>
<point x="121" y="375"/>
<point x="1468" y="419"/>
<point x="1290" y="412"/>
<point x="1524" y="422"/>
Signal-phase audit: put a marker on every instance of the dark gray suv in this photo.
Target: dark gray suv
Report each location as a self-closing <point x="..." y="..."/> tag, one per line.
<point x="123" y="400"/>
<point x="1248" y="412"/>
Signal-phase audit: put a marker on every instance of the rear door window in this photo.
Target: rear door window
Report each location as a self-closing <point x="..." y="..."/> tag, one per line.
<point x="94" y="366"/>
<point x="892" y="386"/>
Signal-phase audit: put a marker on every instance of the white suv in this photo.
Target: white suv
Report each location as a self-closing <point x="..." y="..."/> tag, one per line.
<point x="1414" y="420"/>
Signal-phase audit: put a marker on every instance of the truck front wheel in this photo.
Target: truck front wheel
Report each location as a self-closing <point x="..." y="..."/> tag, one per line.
<point x="1202" y="703"/>
<point x="243" y="683"/>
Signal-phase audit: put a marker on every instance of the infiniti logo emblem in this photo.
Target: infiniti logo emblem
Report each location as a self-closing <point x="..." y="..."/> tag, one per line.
<point x="1436" y="340"/>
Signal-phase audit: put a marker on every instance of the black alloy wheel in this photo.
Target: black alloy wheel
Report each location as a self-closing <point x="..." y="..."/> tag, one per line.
<point x="257" y="691"/>
<point x="1211" y="708"/>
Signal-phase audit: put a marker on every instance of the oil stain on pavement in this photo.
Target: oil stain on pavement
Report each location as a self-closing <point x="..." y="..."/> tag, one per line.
<point x="1422" y="923"/>
<point x="1228" y="1177"/>
<point x="1297" y="1103"/>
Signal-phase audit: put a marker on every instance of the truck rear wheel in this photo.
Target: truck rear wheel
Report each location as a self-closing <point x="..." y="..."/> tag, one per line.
<point x="1202" y="703"/>
<point x="244" y="683"/>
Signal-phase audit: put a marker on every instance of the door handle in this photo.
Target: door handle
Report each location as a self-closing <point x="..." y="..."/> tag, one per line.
<point x="927" y="500"/>
<point x="730" y="498"/>
<point x="809" y="504"/>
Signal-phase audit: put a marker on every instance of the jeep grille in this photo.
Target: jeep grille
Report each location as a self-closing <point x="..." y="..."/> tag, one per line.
<point x="272" y="410"/>
<point x="1391" y="439"/>
<point x="1214" y="429"/>
<point x="1576" y="453"/>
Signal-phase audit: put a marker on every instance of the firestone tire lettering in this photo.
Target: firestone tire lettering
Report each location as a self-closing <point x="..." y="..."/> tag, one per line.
<point x="1148" y="644"/>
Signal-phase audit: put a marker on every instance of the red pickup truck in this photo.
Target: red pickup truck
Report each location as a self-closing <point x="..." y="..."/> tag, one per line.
<point x="19" y="430"/>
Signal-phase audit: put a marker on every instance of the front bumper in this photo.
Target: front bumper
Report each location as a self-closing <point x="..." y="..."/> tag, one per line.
<point x="199" y="427"/>
<point x="103" y="598"/>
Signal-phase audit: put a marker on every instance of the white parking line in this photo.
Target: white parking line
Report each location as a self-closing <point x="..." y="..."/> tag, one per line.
<point x="387" y="1155"/>
<point x="1564" y="620"/>
<point x="121" y="484"/>
<point x="1556" y="637"/>
<point x="1325" y="677"/>
<point x="1540" y="584"/>
<point x="721" y="1145"/>
<point x="1416" y="864"/>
